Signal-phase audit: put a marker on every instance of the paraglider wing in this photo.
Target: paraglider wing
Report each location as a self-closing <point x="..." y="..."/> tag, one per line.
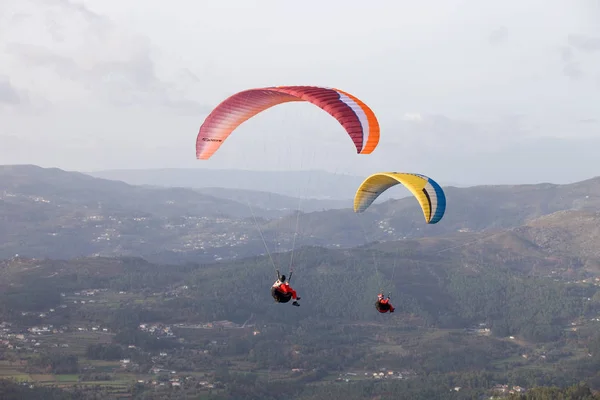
<point x="429" y="194"/>
<point x="354" y="115"/>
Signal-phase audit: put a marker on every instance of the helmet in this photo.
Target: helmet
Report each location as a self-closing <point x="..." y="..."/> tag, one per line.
<point x="282" y="279"/>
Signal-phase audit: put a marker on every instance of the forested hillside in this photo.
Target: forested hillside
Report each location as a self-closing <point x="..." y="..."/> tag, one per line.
<point x="58" y="214"/>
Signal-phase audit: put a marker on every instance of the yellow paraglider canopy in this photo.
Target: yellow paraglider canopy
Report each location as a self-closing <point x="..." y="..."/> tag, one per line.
<point x="428" y="193"/>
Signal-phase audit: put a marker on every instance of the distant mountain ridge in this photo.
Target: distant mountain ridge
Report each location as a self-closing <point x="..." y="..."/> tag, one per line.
<point x="58" y="214"/>
<point x="306" y="184"/>
<point x="274" y="201"/>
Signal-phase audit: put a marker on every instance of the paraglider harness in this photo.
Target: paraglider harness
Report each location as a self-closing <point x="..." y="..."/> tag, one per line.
<point x="383" y="307"/>
<point x="277" y="294"/>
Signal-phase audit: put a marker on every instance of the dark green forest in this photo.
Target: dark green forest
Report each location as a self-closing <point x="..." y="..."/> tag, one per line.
<point x="335" y="331"/>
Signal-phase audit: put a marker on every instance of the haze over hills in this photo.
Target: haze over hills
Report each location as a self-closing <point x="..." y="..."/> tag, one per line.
<point x="58" y="214"/>
<point x="468" y="209"/>
<point x="309" y="184"/>
<point x="304" y="184"/>
<point x="78" y="189"/>
<point x="53" y="213"/>
<point x="273" y="201"/>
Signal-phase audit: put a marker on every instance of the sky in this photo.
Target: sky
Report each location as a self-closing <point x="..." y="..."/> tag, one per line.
<point x="466" y="91"/>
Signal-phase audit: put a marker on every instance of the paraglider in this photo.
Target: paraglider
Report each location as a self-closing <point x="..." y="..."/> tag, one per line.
<point x="282" y="292"/>
<point x="356" y="117"/>
<point x="358" y="120"/>
<point x="428" y="193"/>
<point x="383" y="305"/>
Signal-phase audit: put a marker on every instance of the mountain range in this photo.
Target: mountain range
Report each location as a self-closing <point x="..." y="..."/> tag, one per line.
<point x="504" y="290"/>
<point x="58" y="214"/>
<point x="305" y="184"/>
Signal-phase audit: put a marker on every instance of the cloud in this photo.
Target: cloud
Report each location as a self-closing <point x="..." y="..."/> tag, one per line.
<point x="572" y="67"/>
<point x="16" y="100"/>
<point x="8" y="94"/>
<point x="412" y="117"/>
<point x="498" y="35"/>
<point x="584" y="43"/>
<point x="74" y="54"/>
<point x="566" y="53"/>
<point x="573" y="70"/>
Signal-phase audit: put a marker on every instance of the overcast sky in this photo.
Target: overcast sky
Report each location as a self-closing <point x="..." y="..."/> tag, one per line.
<point x="465" y="91"/>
